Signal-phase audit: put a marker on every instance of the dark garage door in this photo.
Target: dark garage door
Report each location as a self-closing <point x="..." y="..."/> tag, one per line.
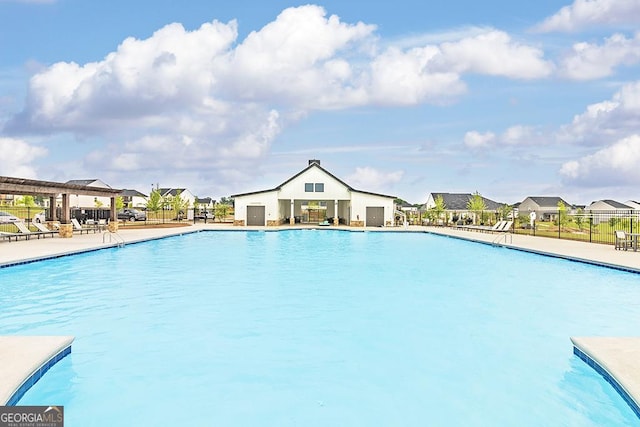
<point x="375" y="217"/>
<point x="255" y="215"/>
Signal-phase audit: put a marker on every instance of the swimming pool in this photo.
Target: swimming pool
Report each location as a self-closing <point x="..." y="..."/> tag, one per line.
<point x="321" y="327"/>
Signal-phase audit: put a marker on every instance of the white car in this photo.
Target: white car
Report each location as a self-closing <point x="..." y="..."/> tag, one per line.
<point x="7" y="217"/>
<point x="39" y="217"/>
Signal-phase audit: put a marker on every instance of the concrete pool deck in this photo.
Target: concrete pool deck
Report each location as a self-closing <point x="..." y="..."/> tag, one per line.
<point x="616" y="356"/>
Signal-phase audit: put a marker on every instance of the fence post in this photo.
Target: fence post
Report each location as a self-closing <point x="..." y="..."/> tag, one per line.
<point x="559" y="222"/>
<point x="590" y="226"/>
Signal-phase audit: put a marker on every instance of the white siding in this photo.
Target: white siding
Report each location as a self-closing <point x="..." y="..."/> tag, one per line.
<point x="333" y="189"/>
<point x="360" y="201"/>
<point x="267" y="199"/>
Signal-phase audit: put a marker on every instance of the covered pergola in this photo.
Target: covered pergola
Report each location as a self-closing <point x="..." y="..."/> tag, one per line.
<point x="50" y="189"/>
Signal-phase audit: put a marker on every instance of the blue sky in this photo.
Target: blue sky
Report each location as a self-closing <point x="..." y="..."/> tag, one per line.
<point x="402" y="98"/>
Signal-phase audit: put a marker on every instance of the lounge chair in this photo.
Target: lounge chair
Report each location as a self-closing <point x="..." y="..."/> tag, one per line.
<point x="324" y="223"/>
<point x="79" y="228"/>
<point x="8" y="236"/>
<point x="506" y="226"/>
<point x="43" y="229"/>
<point x="496" y="227"/>
<point x="622" y="241"/>
<point x="24" y="229"/>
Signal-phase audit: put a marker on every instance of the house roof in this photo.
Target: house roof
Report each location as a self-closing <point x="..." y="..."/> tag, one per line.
<point x="204" y="200"/>
<point x="132" y="193"/>
<point x="459" y="201"/>
<point x="170" y="191"/>
<point x="614" y="204"/>
<point x="312" y="164"/>
<point x="547" y="202"/>
<point x="82" y="181"/>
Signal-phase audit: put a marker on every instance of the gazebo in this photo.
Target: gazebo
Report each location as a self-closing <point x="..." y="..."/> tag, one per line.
<point x="52" y="190"/>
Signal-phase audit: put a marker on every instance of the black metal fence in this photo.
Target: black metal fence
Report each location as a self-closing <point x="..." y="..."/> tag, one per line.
<point x="9" y="214"/>
<point x="594" y="227"/>
<point x="590" y="226"/>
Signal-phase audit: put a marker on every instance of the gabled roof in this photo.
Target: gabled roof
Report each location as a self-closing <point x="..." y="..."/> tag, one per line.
<point x="617" y="204"/>
<point x="84" y="182"/>
<point x="170" y="191"/>
<point x="312" y="165"/>
<point x="132" y="193"/>
<point x="547" y="202"/>
<point x="459" y="201"/>
<point x="614" y="204"/>
<point x="204" y="200"/>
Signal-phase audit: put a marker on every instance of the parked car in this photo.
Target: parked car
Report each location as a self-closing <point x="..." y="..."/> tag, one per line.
<point x="7" y="217"/>
<point x="39" y="217"/>
<point x="206" y="215"/>
<point x="132" y="215"/>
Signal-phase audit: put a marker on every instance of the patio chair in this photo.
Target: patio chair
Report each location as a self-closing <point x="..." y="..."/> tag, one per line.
<point x="24" y="229"/>
<point x="79" y="228"/>
<point x="43" y="229"/>
<point x="506" y="226"/>
<point x="622" y="241"/>
<point x="8" y="236"/>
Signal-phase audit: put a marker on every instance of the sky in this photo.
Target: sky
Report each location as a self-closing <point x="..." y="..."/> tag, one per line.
<point x="403" y="98"/>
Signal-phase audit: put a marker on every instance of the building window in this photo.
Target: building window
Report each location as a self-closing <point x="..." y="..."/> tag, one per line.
<point x="308" y="187"/>
<point x="319" y="187"/>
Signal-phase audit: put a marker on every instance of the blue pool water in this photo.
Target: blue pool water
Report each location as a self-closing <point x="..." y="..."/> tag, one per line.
<point x="318" y="328"/>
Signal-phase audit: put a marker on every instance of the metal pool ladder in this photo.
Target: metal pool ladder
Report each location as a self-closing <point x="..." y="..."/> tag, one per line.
<point x="113" y="235"/>
<point x="498" y="241"/>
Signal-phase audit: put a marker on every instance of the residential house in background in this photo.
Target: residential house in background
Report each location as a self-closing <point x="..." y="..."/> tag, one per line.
<point x="134" y="199"/>
<point x="607" y="206"/>
<point x="169" y="193"/>
<point x="545" y="207"/>
<point x="205" y="204"/>
<point x="457" y="205"/>
<point x="83" y="201"/>
<point x="633" y="204"/>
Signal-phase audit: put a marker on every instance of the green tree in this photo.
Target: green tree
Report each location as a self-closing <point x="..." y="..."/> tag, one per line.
<point x="504" y="212"/>
<point x="476" y="205"/>
<point x="119" y="203"/>
<point x="221" y="210"/>
<point x="27" y="201"/>
<point x="98" y="203"/>
<point x="227" y="201"/>
<point x="154" y="202"/>
<point x="179" y="204"/>
<point x="579" y="218"/>
<point x="563" y="218"/>
<point x="439" y="206"/>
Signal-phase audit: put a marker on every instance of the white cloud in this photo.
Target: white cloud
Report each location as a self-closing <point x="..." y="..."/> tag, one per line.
<point x="517" y="135"/>
<point x="584" y="13"/>
<point x="16" y="157"/>
<point x="201" y="102"/>
<point x="475" y="139"/>
<point x="404" y="78"/>
<point x="494" y="53"/>
<point x="520" y="135"/>
<point x="607" y="121"/>
<point x="373" y="179"/>
<point x="616" y="164"/>
<point x="591" y="61"/>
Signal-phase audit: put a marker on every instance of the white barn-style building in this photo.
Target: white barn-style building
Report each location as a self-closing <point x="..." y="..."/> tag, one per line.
<point x="313" y="196"/>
